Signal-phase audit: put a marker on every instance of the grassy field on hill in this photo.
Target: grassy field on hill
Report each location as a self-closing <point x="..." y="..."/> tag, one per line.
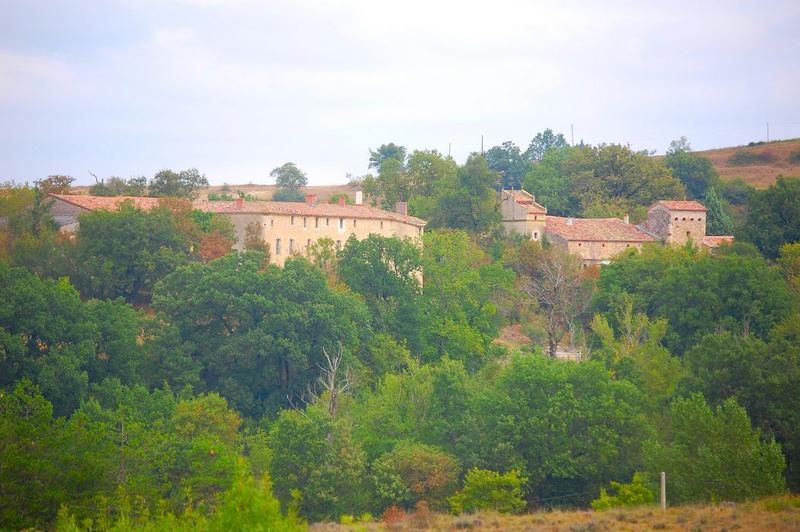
<point x="758" y="165"/>
<point x="774" y="513"/>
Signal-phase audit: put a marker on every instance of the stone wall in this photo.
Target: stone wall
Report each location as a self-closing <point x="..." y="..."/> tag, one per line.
<point x="65" y="214"/>
<point x="296" y="232"/>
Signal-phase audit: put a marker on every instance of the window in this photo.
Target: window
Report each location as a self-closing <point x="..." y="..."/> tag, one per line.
<point x="308" y="243"/>
<point x="292" y="220"/>
<point x="381" y="225"/>
<point x="277" y="246"/>
<point x="688" y="234"/>
<point x="683" y="219"/>
<point x="579" y="244"/>
<point x="305" y="224"/>
<point x="271" y="222"/>
<point x="327" y="221"/>
<point x="316" y="222"/>
<point x="291" y="246"/>
<point x="341" y="223"/>
<point x="691" y="219"/>
<point x="699" y="219"/>
<point x="354" y="222"/>
<point x="338" y="245"/>
<point x="603" y="245"/>
<point x="536" y="235"/>
<point x="676" y="218"/>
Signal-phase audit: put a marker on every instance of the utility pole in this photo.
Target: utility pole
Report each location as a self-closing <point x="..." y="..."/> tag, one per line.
<point x="663" y="491"/>
<point x="767" y="131"/>
<point x="572" y="134"/>
<point x="481" y="144"/>
<point x="449" y="145"/>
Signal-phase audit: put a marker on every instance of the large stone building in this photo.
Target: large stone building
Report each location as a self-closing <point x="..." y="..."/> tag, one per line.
<point x="288" y="227"/>
<point x="598" y="240"/>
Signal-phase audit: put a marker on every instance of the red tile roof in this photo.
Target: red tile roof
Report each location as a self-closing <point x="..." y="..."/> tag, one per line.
<point x="527" y="199"/>
<point x="596" y="230"/>
<point x="677" y="205"/>
<point x="92" y="203"/>
<point x="716" y="241"/>
<point x="110" y="203"/>
<point x="306" y="209"/>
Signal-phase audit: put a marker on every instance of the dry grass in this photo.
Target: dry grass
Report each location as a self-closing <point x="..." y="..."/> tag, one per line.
<point x="513" y="337"/>
<point x="774" y="513"/>
<point x="757" y="175"/>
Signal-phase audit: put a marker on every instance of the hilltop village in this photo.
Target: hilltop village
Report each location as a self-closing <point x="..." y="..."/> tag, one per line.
<point x="519" y="331"/>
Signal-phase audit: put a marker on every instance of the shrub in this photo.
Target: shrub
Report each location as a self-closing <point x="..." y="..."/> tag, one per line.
<point x="633" y="494"/>
<point x="794" y="157"/>
<point x="489" y="490"/>
<point x="288" y="194"/>
<point x="745" y="158"/>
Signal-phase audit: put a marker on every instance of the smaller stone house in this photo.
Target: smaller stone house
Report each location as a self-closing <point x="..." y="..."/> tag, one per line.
<point x="595" y="240"/>
<point x="67" y="207"/>
<point x="521" y="214"/>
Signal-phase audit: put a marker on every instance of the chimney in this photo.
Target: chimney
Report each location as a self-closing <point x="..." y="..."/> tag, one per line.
<point x="311" y="199"/>
<point x="359" y="197"/>
<point x="239" y="203"/>
<point x="401" y="207"/>
<point x="342" y="200"/>
<point x="626" y="219"/>
<point x="569" y="220"/>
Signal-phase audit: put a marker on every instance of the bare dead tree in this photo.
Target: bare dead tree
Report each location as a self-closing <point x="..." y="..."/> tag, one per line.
<point x="334" y="379"/>
<point x="559" y="287"/>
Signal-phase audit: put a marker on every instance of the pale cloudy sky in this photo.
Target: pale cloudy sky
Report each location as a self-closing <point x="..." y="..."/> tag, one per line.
<point x="237" y="87"/>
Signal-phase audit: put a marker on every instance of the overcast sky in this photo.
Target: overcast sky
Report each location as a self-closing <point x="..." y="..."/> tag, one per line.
<point x="236" y="88"/>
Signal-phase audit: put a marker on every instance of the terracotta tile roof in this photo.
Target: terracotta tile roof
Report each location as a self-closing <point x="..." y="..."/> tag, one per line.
<point x="676" y="205"/>
<point x="527" y="199"/>
<point x="596" y="230"/>
<point x="716" y="241"/>
<point x="305" y="209"/>
<point x="110" y="203"/>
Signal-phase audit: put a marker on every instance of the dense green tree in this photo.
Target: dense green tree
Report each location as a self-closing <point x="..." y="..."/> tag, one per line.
<point x="773" y="216"/>
<point x="183" y="184"/>
<point x="508" y="161"/>
<point x="697" y="293"/>
<point x="459" y="291"/>
<point x="697" y="173"/>
<point x="550" y="181"/>
<point x="390" y="186"/>
<point x="386" y="152"/>
<point x="314" y="457"/>
<point x="544" y="142"/>
<point x="123" y="253"/>
<point x="414" y="472"/>
<point x="289" y="176"/>
<point x="387" y="273"/>
<point x="259" y="332"/>
<point x="469" y="201"/>
<point x="762" y="376"/>
<point x="718" y="221"/>
<point x="569" y="428"/>
<point x="711" y="455"/>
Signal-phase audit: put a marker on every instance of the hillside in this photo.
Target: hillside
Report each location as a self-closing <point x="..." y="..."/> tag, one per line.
<point x="758" y="165"/>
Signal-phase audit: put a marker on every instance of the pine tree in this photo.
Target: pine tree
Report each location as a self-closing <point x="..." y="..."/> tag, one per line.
<point x="718" y="221"/>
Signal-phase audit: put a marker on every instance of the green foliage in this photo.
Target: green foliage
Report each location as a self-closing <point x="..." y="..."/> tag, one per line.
<point x="636" y="493"/>
<point x="289" y="177"/>
<point x="124" y="253"/>
<point x="489" y="490"/>
<point x="288" y="194"/>
<point x="183" y="184"/>
<point x="543" y="143"/>
<point x="413" y="472"/>
<point x="386" y="272"/>
<point x="718" y="221"/>
<point x="314" y="455"/>
<point x="459" y="291"/>
<point x="713" y="455"/>
<point x="773" y="216"/>
<point x="750" y="157"/>
<point x="508" y="161"/>
<point x="257" y="331"/>
<point x="695" y="172"/>
<point x="697" y="293"/>
<point x="117" y="186"/>
<point x="339" y="195"/>
<point x="567" y="427"/>
<point x="386" y="152"/>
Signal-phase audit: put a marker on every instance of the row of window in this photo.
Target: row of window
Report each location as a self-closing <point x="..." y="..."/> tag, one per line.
<point x="690" y="219"/>
<point x="292" y="247"/>
<point x="327" y="222"/>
